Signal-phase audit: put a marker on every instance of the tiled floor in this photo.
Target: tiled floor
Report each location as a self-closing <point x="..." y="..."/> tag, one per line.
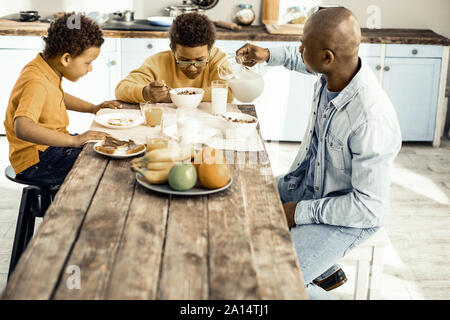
<point x="418" y="225"/>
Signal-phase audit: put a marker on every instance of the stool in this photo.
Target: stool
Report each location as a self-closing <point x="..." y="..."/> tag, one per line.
<point x="36" y="198"/>
<point x="368" y="258"/>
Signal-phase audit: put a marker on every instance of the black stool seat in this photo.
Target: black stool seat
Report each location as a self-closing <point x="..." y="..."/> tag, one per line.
<point x="36" y="198"/>
<point x="11" y="175"/>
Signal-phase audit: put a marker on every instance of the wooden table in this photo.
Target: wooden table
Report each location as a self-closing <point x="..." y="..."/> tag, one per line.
<point x="107" y="237"/>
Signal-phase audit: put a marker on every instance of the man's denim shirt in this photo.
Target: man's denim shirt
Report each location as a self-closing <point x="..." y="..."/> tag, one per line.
<point x="360" y="141"/>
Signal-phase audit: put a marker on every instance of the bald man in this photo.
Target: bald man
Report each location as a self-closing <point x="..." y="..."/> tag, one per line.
<point x="336" y="193"/>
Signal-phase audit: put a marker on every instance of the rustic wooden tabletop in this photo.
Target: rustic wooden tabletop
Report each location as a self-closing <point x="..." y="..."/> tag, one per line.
<point x="107" y="237"/>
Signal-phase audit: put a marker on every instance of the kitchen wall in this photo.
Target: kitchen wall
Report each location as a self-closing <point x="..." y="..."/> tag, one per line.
<point x="417" y="14"/>
<point x="143" y="8"/>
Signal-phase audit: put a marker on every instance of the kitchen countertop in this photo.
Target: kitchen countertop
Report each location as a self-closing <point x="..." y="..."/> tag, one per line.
<point x="252" y="33"/>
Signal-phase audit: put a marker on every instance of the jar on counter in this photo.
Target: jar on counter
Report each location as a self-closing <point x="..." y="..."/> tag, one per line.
<point x="295" y="15"/>
<point x="245" y="14"/>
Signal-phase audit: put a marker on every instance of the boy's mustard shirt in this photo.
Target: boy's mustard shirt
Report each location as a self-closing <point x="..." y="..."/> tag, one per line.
<point x="162" y="66"/>
<point x="37" y="95"/>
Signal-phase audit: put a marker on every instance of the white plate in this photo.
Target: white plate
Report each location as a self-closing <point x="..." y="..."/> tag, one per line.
<point x="160" y="21"/>
<point x="171" y="131"/>
<point x="117" y="155"/>
<point x="103" y="119"/>
<point x="197" y="190"/>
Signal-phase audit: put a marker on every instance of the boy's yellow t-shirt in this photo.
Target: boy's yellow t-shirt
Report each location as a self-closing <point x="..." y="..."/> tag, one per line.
<point x="37" y="95"/>
<point x="162" y="66"/>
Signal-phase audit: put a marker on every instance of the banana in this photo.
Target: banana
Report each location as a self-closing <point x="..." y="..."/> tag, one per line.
<point x="160" y="165"/>
<point x="154" y="176"/>
<point x="171" y="154"/>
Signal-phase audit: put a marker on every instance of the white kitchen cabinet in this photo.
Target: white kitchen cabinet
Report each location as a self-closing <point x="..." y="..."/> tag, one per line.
<point x="414" y="77"/>
<point x="97" y="86"/>
<point x="136" y="51"/>
<point x="15" y="53"/>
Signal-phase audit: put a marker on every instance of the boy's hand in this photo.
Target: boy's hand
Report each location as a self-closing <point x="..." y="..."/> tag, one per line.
<point x="112" y="104"/>
<point x="249" y="55"/>
<point x="289" y="211"/>
<point x="81" y="139"/>
<point x="157" y="91"/>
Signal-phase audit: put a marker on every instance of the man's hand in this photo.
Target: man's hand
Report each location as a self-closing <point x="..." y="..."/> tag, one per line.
<point x="249" y="55"/>
<point x="112" y="104"/>
<point x="81" y="139"/>
<point x="157" y="91"/>
<point x="289" y="211"/>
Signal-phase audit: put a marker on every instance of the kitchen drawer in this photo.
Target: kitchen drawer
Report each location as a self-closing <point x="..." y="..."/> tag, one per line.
<point x="151" y="46"/>
<point x="413" y="51"/>
<point x="21" y="42"/>
<point x="369" y="50"/>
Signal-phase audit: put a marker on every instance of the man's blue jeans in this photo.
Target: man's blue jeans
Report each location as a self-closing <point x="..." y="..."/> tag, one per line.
<point x="53" y="167"/>
<point x="320" y="246"/>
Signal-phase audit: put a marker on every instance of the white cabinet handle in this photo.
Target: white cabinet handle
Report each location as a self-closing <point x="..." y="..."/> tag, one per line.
<point x="378" y="67"/>
<point x="149" y="46"/>
<point x="111" y="63"/>
<point x="387" y="68"/>
<point x="414" y="51"/>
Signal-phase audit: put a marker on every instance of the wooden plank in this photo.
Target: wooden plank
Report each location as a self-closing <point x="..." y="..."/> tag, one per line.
<point x="271" y="240"/>
<point x="95" y="250"/>
<point x="38" y="271"/>
<point x="232" y="270"/>
<point x="135" y="274"/>
<point x="184" y="270"/>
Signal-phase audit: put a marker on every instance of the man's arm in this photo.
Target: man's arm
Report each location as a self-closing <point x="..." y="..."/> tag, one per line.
<point x="374" y="147"/>
<point x="289" y="57"/>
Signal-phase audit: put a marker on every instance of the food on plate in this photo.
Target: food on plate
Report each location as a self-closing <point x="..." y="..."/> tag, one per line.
<point x="173" y="153"/>
<point x="154" y="176"/>
<point x="120" y="122"/>
<point x="212" y="169"/>
<point x="111" y="145"/>
<point x="156" y="164"/>
<point x="182" y="177"/>
<point x="159" y="165"/>
<point x="238" y="120"/>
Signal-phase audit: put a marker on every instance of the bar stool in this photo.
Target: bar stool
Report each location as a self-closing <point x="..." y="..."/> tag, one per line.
<point x="369" y="260"/>
<point x="36" y="198"/>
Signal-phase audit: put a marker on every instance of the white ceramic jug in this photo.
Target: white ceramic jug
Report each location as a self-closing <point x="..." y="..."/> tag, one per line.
<point x="245" y="83"/>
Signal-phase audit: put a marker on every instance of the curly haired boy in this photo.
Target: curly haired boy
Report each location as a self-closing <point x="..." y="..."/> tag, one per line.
<point x="191" y="62"/>
<point x="40" y="147"/>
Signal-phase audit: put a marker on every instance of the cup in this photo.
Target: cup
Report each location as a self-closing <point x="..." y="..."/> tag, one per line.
<point x="157" y="140"/>
<point x="188" y="126"/>
<point x="153" y="115"/>
<point x="219" y="95"/>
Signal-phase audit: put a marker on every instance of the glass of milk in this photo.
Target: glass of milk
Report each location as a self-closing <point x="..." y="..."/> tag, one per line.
<point x="219" y="95"/>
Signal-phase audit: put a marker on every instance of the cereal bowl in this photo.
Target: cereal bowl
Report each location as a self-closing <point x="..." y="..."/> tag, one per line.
<point x="187" y="97"/>
<point x="238" y="125"/>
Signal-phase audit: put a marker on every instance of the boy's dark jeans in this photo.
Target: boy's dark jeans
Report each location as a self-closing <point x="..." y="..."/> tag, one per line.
<point x="53" y="167"/>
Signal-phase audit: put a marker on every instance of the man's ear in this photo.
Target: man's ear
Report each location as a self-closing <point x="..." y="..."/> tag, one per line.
<point x="173" y="47"/>
<point x="65" y="59"/>
<point x="328" y="57"/>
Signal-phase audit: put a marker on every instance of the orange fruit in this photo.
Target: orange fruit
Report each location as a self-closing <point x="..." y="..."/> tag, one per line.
<point x="213" y="171"/>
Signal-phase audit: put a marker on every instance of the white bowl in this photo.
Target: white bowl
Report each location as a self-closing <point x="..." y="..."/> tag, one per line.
<point x="184" y="100"/>
<point x="162" y="21"/>
<point x="237" y="130"/>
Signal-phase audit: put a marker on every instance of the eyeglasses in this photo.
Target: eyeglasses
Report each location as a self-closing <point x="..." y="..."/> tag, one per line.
<point x="187" y="64"/>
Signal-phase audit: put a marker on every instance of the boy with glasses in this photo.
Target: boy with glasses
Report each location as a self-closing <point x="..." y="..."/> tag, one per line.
<point x="191" y="62"/>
